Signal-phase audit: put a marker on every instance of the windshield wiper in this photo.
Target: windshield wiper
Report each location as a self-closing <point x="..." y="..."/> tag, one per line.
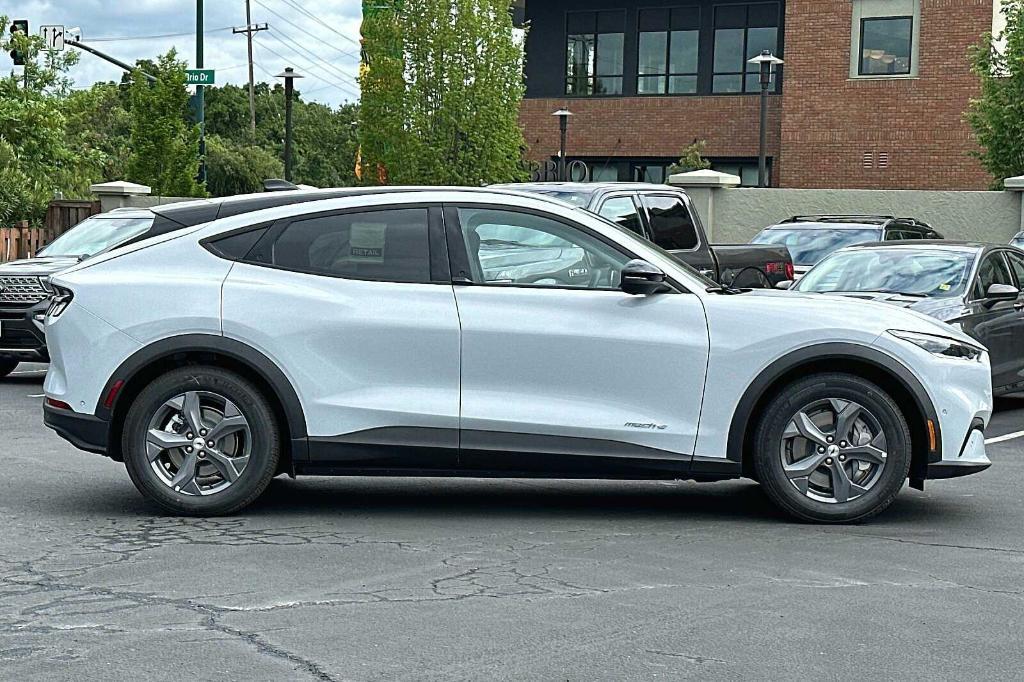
<point x="727" y="291"/>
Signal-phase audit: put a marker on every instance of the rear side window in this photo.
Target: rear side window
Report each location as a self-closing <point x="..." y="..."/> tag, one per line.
<point x="391" y="245"/>
<point x="236" y="246"/>
<point x="671" y="223"/>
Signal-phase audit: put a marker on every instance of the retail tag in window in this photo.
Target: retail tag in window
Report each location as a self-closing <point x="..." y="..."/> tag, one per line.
<point x="367" y="242"/>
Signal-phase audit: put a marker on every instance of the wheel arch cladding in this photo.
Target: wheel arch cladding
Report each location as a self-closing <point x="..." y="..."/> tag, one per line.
<point x="881" y="369"/>
<point x="202" y="349"/>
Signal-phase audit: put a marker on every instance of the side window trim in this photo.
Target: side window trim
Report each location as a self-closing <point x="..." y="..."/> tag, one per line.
<point x="698" y="228"/>
<point x="641" y="210"/>
<point x="264" y="247"/>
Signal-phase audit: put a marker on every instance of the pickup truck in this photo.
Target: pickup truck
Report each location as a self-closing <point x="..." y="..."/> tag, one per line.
<point x="666" y="216"/>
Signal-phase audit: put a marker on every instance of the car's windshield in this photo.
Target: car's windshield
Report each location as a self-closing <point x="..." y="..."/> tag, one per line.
<point x="808" y="246"/>
<point x="651" y="245"/>
<point x="95" y="235"/>
<point x="905" y="271"/>
<point x="1018" y="240"/>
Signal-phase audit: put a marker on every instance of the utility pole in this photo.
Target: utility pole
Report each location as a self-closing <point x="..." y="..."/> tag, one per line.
<point x="200" y="95"/>
<point x="249" y="30"/>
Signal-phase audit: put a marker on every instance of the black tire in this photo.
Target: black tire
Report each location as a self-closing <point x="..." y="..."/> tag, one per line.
<point x="253" y="405"/>
<point x="7" y="366"/>
<point x="768" y="443"/>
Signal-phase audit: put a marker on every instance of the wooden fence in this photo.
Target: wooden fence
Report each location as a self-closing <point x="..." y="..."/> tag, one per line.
<point x="22" y="241"/>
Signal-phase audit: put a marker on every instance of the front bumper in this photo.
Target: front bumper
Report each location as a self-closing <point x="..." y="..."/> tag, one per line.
<point x="21" y="333"/>
<point x="84" y="431"/>
<point x="972" y="460"/>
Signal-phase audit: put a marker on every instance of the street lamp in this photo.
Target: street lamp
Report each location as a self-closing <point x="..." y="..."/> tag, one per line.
<point x="289" y="75"/>
<point x="563" y="126"/>
<point x="766" y="61"/>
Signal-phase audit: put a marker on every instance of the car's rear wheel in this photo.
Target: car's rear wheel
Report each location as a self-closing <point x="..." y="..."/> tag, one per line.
<point x="7" y="366"/>
<point x="201" y="441"/>
<point x="832" y="448"/>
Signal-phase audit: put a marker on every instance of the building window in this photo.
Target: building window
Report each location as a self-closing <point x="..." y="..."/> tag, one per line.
<point x="884" y="38"/>
<point x="669" y="41"/>
<point x="741" y="33"/>
<point x="886" y="45"/>
<point x="595" y="48"/>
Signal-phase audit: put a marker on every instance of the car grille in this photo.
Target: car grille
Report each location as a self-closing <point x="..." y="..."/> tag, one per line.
<point x="23" y="290"/>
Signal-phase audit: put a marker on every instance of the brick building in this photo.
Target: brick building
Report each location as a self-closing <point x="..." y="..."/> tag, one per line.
<point x="872" y="93"/>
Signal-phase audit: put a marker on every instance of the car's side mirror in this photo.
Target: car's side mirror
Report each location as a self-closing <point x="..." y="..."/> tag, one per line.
<point x="640" y="278"/>
<point x="1001" y="292"/>
<point x="785" y="284"/>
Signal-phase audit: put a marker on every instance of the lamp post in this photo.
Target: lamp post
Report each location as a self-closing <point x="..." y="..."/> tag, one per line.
<point x="563" y="126"/>
<point x="766" y="61"/>
<point x="289" y="75"/>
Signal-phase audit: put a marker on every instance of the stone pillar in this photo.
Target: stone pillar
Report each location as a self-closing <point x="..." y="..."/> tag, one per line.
<point x="1016" y="185"/>
<point x="118" y="194"/>
<point x="702" y="186"/>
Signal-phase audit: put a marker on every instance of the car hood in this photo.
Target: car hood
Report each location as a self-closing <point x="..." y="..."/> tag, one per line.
<point x="945" y="309"/>
<point x="40" y="267"/>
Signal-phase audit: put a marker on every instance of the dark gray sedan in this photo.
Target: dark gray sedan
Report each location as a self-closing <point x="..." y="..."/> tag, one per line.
<point x="975" y="287"/>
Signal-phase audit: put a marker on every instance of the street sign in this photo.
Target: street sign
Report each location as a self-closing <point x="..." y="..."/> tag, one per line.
<point x="53" y="37"/>
<point x="199" y="77"/>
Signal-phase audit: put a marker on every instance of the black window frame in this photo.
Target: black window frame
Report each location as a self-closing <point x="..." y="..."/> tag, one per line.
<point x="593" y="79"/>
<point x="668" y="31"/>
<point x="860" y="45"/>
<point x="437" y="250"/>
<point x="746" y="72"/>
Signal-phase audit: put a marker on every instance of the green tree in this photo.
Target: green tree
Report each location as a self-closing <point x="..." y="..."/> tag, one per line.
<point x="238" y="167"/>
<point x="164" y="141"/>
<point x="98" y="122"/>
<point x="692" y="159"/>
<point x="446" y="111"/>
<point x="997" y="116"/>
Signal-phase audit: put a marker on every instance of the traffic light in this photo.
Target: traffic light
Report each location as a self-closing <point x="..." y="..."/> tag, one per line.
<point x="19" y="26"/>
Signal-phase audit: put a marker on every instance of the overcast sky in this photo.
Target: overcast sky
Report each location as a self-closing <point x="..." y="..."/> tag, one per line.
<point x="320" y="39"/>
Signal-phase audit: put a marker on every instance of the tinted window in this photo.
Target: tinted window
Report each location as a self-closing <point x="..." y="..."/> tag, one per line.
<point x="237" y="246"/>
<point x="993" y="270"/>
<point x="808" y="246"/>
<point x="671" y="223"/>
<point x="387" y="245"/>
<point x="97" y="234"/>
<point x="507" y="247"/>
<point x="622" y="211"/>
<point x="1017" y="263"/>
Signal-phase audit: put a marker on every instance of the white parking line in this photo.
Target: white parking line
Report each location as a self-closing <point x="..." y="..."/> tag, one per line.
<point x="40" y="395"/>
<point x="1003" y="439"/>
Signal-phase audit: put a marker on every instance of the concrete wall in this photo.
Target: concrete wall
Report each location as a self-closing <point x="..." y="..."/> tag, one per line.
<point x="110" y="202"/>
<point x="736" y="215"/>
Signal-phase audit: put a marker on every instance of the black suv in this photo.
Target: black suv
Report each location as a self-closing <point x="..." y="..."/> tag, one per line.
<point x="810" y="238"/>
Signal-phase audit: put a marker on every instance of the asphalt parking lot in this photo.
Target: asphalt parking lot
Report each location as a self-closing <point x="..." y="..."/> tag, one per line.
<point x="366" y="579"/>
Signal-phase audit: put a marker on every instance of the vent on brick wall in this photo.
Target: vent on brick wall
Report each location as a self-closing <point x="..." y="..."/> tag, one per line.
<point x="883" y="160"/>
<point x="869" y="160"/>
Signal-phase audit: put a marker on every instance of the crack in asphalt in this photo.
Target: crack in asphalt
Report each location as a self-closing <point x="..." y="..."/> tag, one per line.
<point x="686" y="657"/>
<point x="908" y="541"/>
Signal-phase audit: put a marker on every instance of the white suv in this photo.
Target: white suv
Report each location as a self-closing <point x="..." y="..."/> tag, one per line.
<point x="491" y="333"/>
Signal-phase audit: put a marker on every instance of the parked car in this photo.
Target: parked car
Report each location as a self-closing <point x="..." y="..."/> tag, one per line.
<point x="24" y="284"/>
<point x="811" y="238"/>
<point x="974" y="287"/>
<point x="363" y="336"/>
<point x="666" y="216"/>
<point x="1018" y="240"/>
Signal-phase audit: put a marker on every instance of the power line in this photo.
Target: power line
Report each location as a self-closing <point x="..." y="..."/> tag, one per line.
<point x="291" y="23"/>
<point x="323" y="23"/>
<point x="110" y="39"/>
<point x="297" y="47"/>
<point x="308" y="68"/>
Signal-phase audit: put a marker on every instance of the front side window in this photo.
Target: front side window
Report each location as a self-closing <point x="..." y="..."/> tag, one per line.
<point x="96" y="235"/>
<point x="742" y="32"/>
<point x="886" y="45"/>
<point x="389" y="245"/>
<point x="511" y="248"/>
<point x="671" y="223"/>
<point x="595" y="46"/>
<point x="622" y="211"/>
<point x="993" y="270"/>
<point x="669" y="41"/>
<point x="1017" y="263"/>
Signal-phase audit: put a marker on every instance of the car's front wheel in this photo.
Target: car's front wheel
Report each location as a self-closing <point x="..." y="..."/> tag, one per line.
<point x="832" y="448"/>
<point x="6" y="367"/>
<point x="201" y="441"/>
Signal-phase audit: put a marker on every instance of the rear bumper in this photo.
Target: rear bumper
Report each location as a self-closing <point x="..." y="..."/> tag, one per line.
<point x="84" y="431"/>
<point x="972" y="460"/>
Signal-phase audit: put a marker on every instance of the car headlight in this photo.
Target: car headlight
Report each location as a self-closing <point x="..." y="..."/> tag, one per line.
<point x="941" y="345"/>
<point x="59" y="302"/>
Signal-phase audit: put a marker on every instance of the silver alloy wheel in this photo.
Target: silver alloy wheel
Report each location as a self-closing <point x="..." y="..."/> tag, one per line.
<point x="198" y="443"/>
<point x="834" y="451"/>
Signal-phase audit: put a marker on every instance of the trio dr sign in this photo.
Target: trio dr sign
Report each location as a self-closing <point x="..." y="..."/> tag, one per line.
<point x="199" y="77"/>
